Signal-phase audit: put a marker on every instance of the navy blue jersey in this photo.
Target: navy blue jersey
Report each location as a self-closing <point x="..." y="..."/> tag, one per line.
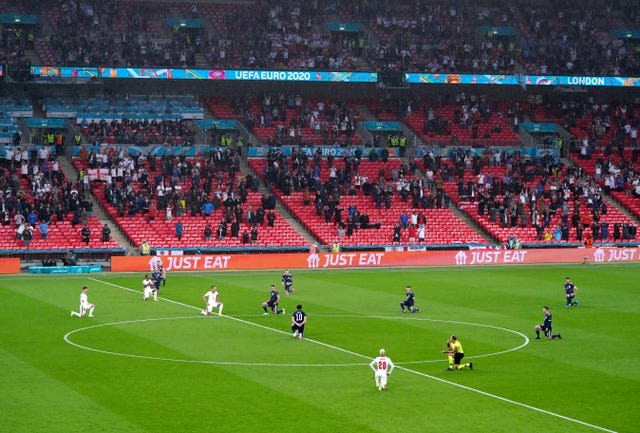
<point x="298" y="316"/>
<point x="287" y="279"/>
<point x="569" y="288"/>
<point x="273" y="296"/>
<point x="410" y="298"/>
<point x="547" y="320"/>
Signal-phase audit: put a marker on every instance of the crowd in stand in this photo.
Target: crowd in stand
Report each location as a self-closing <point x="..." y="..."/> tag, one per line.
<point x="435" y="37"/>
<point x="155" y="190"/>
<point x="330" y="196"/>
<point x="47" y="198"/>
<point x="335" y="121"/>
<point x="139" y="132"/>
<point x="116" y="33"/>
<point x="542" y="39"/>
<point x="286" y="35"/>
<point x="532" y="192"/>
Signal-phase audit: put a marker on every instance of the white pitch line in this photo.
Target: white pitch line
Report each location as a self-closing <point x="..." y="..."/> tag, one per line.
<point x="408" y="370"/>
<point x="426" y="319"/>
<point x="67" y="339"/>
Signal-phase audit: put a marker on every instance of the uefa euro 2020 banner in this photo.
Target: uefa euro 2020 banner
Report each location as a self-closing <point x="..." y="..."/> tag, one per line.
<point x="328" y="76"/>
<point x="521" y="80"/>
<point x="204" y="74"/>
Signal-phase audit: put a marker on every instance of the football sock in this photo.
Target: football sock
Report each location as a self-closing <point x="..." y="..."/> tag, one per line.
<point x="220" y="309"/>
<point x="537" y="334"/>
<point x="450" y="361"/>
<point x="75" y="314"/>
<point x="91" y="311"/>
<point x="265" y="309"/>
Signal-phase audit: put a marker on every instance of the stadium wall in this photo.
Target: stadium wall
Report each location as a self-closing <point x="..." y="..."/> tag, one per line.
<point x="10" y="265"/>
<point x="478" y="257"/>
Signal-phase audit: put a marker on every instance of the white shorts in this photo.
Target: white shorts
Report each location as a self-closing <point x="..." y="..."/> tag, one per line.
<point x="210" y="307"/>
<point x="148" y="291"/>
<point x="381" y="377"/>
<point x="85" y="307"/>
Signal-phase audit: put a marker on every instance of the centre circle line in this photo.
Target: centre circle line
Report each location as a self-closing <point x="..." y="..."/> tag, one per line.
<point x="68" y="340"/>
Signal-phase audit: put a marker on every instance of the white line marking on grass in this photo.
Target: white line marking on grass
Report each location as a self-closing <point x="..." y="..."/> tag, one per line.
<point x="408" y="370"/>
<point x="67" y="338"/>
<point x="425" y="319"/>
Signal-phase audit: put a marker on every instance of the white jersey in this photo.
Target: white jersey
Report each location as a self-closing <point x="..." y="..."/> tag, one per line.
<point x="84" y="299"/>
<point x="147" y="283"/>
<point x="382" y="365"/>
<point x="212" y="297"/>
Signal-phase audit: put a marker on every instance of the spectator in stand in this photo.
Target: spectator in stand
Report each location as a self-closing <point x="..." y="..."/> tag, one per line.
<point x="27" y="235"/>
<point x="106" y="233"/>
<point x="271" y="218"/>
<point x="44" y="229"/>
<point x="86" y="234"/>
<point x="179" y="230"/>
<point x="207" y="232"/>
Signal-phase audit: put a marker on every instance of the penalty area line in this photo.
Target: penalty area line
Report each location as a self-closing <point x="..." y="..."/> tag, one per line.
<point x="405" y="369"/>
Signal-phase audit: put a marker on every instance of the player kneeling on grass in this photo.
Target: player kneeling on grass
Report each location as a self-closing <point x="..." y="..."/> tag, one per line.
<point x="211" y="301"/>
<point x="149" y="289"/>
<point x="546" y="326"/>
<point x="273" y="302"/>
<point x="409" y="301"/>
<point x="455" y="354"/>
<point x="287" y="282"/>
<point x="298" y="320"/>
<point x="382" y="367"/>
<point x="570" y="291"/>
<point x="85" y="305"/>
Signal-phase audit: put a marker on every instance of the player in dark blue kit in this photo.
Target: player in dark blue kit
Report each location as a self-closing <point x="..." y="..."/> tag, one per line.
<point x="570" y="291"/>
<point x="163" y="275"/>
<point x="298" y="320"/>
<point x="272" y="302"/>
<point x="546" y="326"/>
<point x="156" y="276"/>
<point x="287" y="281"/>
<point x="409" y="301"/>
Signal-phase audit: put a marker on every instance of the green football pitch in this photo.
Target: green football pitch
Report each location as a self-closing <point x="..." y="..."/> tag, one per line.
<point x="162" y="367"/>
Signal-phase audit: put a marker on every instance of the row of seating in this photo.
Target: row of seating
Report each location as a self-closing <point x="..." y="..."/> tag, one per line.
<point x="442" y="227"/>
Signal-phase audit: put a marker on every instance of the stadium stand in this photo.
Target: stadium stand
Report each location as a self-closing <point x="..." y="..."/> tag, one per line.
<point x="533" y="200"/>
<point x="147" y="198"/>
<point x="470" y="121"/>
<point x="356" y="202"/>
<point x="280" y="119"/>
<point x="617" y="172"/>
<point x="41" y="210"/>
<point x="132" y="120"/>
<point x="10" y="110"/>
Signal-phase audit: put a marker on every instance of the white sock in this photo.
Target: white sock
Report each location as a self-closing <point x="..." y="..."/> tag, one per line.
<point x="155" y="296"/>
<point x="220" y="309"/>
<point x="91" y="311"/>
<point x="75" y="314"/>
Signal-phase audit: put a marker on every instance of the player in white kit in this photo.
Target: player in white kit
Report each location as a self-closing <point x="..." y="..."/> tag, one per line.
<point x="149" y="289"/>
<point x="85" y="305"/>
<point x="382" y="367"/>
<point x="211" y="301"/>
